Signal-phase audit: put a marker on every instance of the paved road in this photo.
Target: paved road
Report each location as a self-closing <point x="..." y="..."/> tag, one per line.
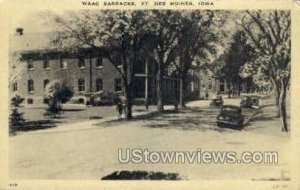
<point x="92" y="152"/>
<point x="197" y="116"/>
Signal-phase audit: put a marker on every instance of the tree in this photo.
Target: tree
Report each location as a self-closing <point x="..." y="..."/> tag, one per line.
<point x="16" y="119"/>
<point x="16" y="68"/>
<point x="240" y="52"/>
<point x="165" y="31"/>
<point x="16" y="101"/>
<point x="270" y="35"/>
<point x="119" y="35"/>
<point x="179" y="37"/>
<point x="197" y="42"/>
<point x="57" y="92"/>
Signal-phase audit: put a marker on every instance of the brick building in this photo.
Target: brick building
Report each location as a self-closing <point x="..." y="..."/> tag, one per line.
<point x="89" y="73"/>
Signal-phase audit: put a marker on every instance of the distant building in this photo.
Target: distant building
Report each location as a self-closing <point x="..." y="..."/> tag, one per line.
<point x="212" y="84"/>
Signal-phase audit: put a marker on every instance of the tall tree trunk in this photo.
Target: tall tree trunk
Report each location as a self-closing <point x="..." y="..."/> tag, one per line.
<point x="127" y="79"/>
<point x="239" y="88"/>
<point x="128" y="103"/>
<point x="230" y="90"/>
<point x="160" y="107"/>
<point x="277" y="98"/>
<point x="181" y="93"/>
<point x="183" y="88"/>
<point x="276" y="88"/>
<point x="282" y="108"/>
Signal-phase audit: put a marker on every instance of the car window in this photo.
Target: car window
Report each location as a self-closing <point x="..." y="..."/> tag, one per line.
<point x="231" y="109"/>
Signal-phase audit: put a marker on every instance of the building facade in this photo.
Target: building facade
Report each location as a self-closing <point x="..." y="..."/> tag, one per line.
<point x="89" y="73"/>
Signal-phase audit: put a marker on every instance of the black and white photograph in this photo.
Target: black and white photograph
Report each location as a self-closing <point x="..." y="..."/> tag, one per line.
<point x="171" y="95"/>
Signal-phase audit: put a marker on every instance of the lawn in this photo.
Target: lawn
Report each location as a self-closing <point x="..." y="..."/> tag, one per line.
<point x="72" y="114"/>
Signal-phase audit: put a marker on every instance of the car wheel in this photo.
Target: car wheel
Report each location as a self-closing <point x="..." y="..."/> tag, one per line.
<point x="219" y="124"/>
<point x="240" y="124"/>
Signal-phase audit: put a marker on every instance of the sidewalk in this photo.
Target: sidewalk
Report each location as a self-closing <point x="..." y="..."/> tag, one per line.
<point x="90" y="124"/>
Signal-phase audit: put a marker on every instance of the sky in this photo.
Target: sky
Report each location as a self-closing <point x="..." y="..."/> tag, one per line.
<point x="36" y="21"/>
<point x="31" y="22"/>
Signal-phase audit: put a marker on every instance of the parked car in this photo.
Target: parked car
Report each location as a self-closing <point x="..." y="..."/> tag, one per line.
<point x="230" y="116"/>
<point x="246" y="102"/>
<point x="216" y="101"/>
<point x="255" y="101"/>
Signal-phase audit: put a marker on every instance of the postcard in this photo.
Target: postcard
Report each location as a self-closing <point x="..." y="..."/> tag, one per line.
<point x="150" y="94"/>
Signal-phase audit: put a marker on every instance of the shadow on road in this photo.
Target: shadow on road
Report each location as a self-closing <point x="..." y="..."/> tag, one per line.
<point x="189" y="118"/>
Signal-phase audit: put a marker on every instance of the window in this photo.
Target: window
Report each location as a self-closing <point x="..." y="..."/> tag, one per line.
<point x="222" y="85"/>
<point x="119" y="61"/>
<point x="140" y="67"/>
<point x="30" y="64"/>
<point x="63" y="63"/>
<point x="118" y="84"/>
<point x="99" y="84"/>
<point x="46" y="81"/>
<point x="29" y="101"/>
<point x="30" y="86"/>
<point x="46" y="63"/>
<point x="81" y="63"/>
<point x="46" y="100"/>
<point x="99" y="63"/>
<point x="15" y="86"/>
<point x="81" y="85"/>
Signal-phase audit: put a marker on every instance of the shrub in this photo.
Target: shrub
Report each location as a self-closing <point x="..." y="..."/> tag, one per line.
<point x="107" y="98"/>
<point x="53" y="109"/>
<point x="81" y="100"/>
<point x="57" y="92"/>
<point x="16" y="101"/>
<point x="60" y="91"/>
<point x="16" y="120"/>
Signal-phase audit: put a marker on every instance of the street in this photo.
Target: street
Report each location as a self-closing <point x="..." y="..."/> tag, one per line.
<point x="89" y="150"/>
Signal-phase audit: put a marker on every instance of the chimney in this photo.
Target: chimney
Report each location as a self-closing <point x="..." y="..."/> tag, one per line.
<point x="20" y="31"/>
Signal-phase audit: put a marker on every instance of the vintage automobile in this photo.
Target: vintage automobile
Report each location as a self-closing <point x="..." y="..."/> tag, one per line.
<point x="230" y="116"/>
<point x="216" y="101"/>
<point x="246" y="102"/>
<point x="255" y="101"/>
